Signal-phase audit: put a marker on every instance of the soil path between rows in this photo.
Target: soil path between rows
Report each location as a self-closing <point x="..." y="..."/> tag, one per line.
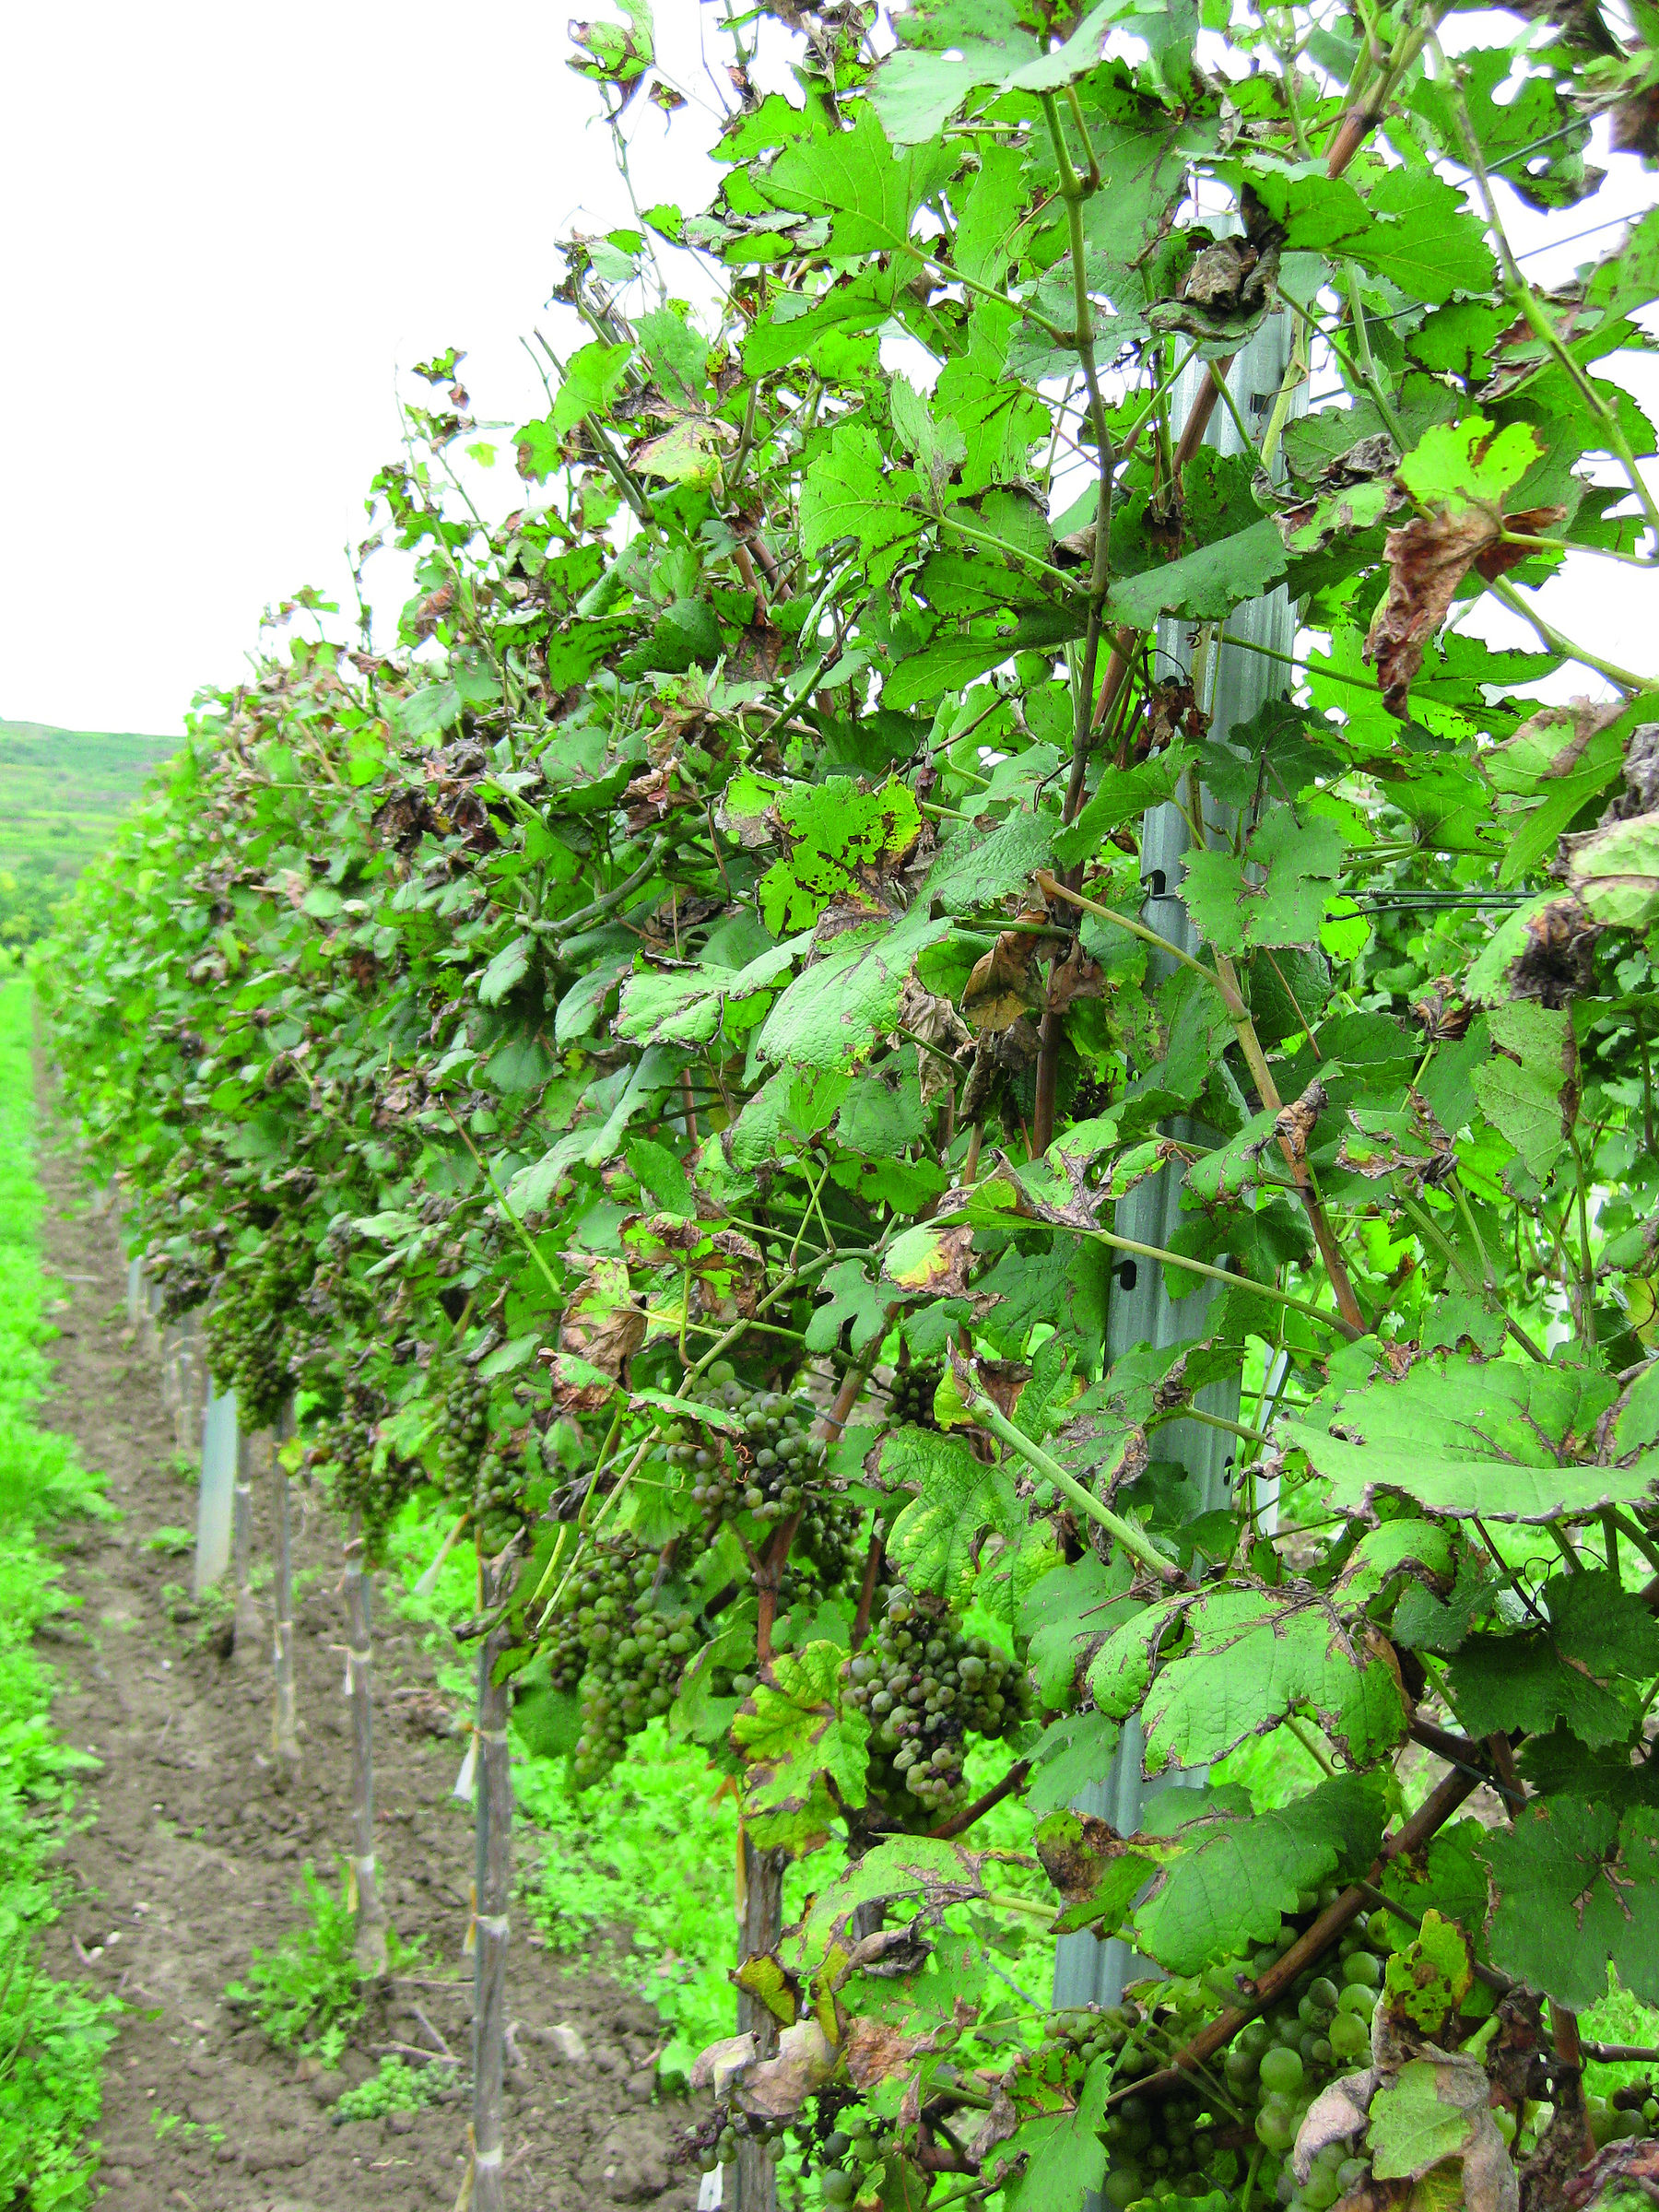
<point x="191" y="1852"/>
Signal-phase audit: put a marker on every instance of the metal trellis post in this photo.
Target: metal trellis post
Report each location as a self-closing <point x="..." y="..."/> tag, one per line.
<point x="1141" y="1310"/>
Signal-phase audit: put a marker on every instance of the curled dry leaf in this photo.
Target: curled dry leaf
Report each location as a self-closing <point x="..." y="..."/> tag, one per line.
<point x="775" y="2087"/>
<point x="1005" y="982"/>
<point x="1428" y="559"/>
<point x="939" y="1029"/>
<point x="1338" y="2114"/>
<point x="718" y="2065"/>
<point x="602" y="1325"/>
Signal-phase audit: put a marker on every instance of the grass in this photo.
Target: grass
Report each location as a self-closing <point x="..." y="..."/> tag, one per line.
<point x="53" y="2034"/>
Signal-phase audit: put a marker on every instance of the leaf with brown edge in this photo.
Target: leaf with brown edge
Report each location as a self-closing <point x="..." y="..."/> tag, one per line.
<point x="930" y="1259"/>
<point x="602" y="1325"/>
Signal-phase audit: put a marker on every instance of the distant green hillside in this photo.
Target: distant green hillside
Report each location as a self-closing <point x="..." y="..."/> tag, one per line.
<point x="62" y="792"/>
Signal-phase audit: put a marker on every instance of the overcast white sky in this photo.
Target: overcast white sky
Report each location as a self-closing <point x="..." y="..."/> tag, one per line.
<point x="230" y="228"/>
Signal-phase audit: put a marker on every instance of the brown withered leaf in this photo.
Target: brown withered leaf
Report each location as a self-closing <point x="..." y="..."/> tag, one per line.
<point x="1428" y="559"/>
<point x="1294" y="1124"/>
<point x="934" y="1024"/>
<point x="1002" y="1381"/>
<point x="1556" y="964"/>
<point x="601" y="1325"/>
<point x="649" y="797"/>
<point x="1628" y="2168"/>
<point x="1005" y="982"/>
<point x="778" y="2088"/>
<point x="1338" y="2114"/>
<point x="1077" y="976"/>
<point x="1001" y="2122"/>
<point x="1173" y="710"/>
<point x="875" y="2049"/>
<point x="577" y="1386"/>
<point x="716" y="2068"/>
<point x="1640" y="792"/>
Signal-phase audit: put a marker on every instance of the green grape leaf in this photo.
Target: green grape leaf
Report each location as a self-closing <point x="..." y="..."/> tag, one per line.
<point x="951" y="49"/>
<point x="506" y="970"/>
<point x="1469" y="463"/>
<point x="1250" y="1657"/>
<point x="848" y="1294"/>
<point x="1422" y="238"/>
<point x="1073" y="1752"/>
<point x="921" y="1874"/>
<point x="1067" y="1615"/>
<point x="1064" y="2152"/>
<point x="846" y="494"/>
<point x="1500" y="1439"/>
<point x="1277" y="894"/>
<point x="1577" y="1890"/>
<point x="688" y="1007"/>
<point x="795" y="1739"/>
<point x="1223" y="1874"/>
<point x="1520" y="1088"/>
<point x="591" y="378"/>
<point x="835" y="1013"/>
<point x="1581" y="1668"/>
<point x="1203" y="584"/>
<point x="937" y="1539"/>
<point x="854" y="177"/>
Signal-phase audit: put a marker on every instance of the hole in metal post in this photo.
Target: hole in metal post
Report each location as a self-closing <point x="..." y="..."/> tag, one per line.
<point x="1126" y="1276"/>
<point x="1156" y="884"/>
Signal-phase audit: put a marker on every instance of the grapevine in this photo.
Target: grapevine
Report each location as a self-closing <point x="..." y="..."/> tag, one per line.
<point x="943" y="1039"/>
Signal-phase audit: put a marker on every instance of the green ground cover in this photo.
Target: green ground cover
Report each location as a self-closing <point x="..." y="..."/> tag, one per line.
<point x="53" y="2035"/>
<point x="62" y="792"/>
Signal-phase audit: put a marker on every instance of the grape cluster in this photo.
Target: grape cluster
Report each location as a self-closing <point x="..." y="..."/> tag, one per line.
<point x="912" y="1397"/>
<point x="926" y="1686"/>
<point x="497" y="1488"/>
<point x="463" y="1429"/>
<point x="774" y="1467"/>
<point x="247" y="1330"/>
<point x="624" y="1655"/>
<point x="766" y="1468"/>
<point x="1320" y="2027"/>
<point x="717" y="2140"/>
<point x="346" y="1441"/>
<point x="847" y="2153"/>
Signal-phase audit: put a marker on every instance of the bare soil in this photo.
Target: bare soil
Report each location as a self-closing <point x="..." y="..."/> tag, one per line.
<point x="191" y="1848"/>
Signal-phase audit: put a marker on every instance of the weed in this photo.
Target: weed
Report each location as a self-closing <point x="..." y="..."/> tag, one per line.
<point x="174" y="1542"/>
<point x="306" y="1992"/>
<point x="396" y="2087"/>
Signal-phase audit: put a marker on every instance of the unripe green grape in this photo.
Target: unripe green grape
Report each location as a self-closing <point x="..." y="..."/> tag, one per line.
<point x="1362" y="1969"/>
<point x="1281" y="2071"/>
<point x="1275" y="2126"/>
